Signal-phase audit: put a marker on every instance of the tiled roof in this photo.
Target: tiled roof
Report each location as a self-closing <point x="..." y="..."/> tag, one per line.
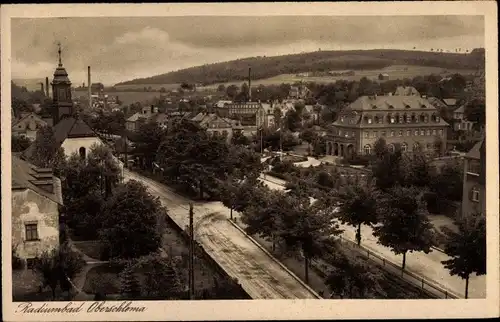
<point x="461" y="109"/>
<point x="24" y="176"/>
<point x="135" y="117"/>
<point x="395" y="102"/>
<point x="25" y="116"/>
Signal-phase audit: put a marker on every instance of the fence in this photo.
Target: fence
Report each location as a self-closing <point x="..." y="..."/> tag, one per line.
<point x="429" y="286"/>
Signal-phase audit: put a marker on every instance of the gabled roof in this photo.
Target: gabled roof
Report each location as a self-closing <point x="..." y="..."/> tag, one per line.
<point x="135" y="117"/>
<point x="26" y="116"/>
<point x="461" y="109"/>
<point x="27" y="176"/>
<point x="397" y="102"/>
<point x="475" y="152"/>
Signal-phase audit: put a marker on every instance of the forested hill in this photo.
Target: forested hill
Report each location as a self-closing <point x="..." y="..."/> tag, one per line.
<point x="265" y="67"/>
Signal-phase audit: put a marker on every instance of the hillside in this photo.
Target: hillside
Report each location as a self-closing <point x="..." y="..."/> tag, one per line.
<point x="320" y="61"/>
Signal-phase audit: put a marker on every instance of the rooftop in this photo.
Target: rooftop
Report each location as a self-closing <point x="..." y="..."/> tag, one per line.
<point x="27" y="176"/>
<point x="395" y="102"/>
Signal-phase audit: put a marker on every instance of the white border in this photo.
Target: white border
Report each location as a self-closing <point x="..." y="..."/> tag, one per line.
<point x="273" y="309"/>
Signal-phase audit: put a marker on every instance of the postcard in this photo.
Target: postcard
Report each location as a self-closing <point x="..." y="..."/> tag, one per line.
<point x="250" y="161"/>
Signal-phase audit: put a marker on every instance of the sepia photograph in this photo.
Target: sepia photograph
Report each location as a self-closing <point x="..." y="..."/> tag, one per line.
<point x="172" y="158"/>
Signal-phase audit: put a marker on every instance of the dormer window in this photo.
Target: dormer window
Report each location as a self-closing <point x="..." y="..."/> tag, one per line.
<point x="376" y="119"/>
<point x="407" y="106"/>
<point x="423" y="106"/>
<point x="369" y="120"/>
<point x="391" y="107"/>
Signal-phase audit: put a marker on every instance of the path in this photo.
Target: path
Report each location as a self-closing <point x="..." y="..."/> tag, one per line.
<point x="258" y="274"/>
<point x="427" y="265"/>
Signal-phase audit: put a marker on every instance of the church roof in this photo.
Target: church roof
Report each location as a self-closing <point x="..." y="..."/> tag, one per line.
<point x="68" y="127"/>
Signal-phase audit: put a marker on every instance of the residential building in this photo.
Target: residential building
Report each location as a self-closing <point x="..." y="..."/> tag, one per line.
<point x="147" y="113"/>
<point x="405" y="119"/>
<point x="216" y="125"/>
<point x="460" y="120"/>
<point x="36" y="197"/>
<point x="28" y="125"/>
<point x="298" y="92"/>
<point x="474" y="186"/>
<point x="383" y="76"/>
<point x="249" y="114"/>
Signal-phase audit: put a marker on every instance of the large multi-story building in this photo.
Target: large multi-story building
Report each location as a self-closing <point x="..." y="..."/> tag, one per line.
<point x="474" y="186"/>
<point x="405" y="118"/>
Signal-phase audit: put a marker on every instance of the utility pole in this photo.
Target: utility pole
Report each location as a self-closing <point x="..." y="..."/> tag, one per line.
<point x="191" y="253"/>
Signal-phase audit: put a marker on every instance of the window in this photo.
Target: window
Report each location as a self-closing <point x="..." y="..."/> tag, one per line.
<point x="392" y="133"/>
<point x="437" y="119"/>
<point x="416" y="133"/>
<point x="422" y="118"/>
<point x="367" y="134"/>
<point x="31" y="231"/>
<point x="429" y="146"/>
<point x="391" y="147"/>
<point x="368" y="149"/>
<point x="400" y="133"/>
<point x="440" y="132"/>
<point x="408" y="132"/>
<point x="340" y="132"/>
<point x="428" y="132"/>
<point x="475" y="194"/>
<point x="82" y="152"/>
<point x="383" y="133"/>
<point x="353" y="134"/>
<point x="30" y="263"/>
<point x="401" y="119"/>
<point x="416" y="147"/>
<point x="422" y="132"/>
<point x="408" y="118"/>
<point x="404" y="147"/>
<point x="376" y="119"/>
<point x="375" y="134"/>
<point x="434" y="132"/>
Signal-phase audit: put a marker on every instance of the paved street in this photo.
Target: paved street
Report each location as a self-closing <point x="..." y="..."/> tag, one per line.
<point x="426" y="265"/>
<point x="259" y="275"/>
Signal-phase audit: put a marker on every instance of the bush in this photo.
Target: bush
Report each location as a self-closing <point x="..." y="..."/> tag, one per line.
<point x="17" y="262"/>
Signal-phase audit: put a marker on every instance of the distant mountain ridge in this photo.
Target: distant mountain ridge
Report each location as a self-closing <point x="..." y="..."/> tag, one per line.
<point x="265" y="67"/>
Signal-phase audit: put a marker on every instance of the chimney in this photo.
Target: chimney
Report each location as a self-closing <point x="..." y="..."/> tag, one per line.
<point x="41" y="88"/>
<point x="249" y="84"/>
<point x="89" y="86"/>
<point x="47" y="86"/>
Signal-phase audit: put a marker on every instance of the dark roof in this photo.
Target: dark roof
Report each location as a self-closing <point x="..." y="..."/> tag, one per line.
<point x="68" y="127"/>
<point x="397" y="102"/>
<point x="27" y="176"/>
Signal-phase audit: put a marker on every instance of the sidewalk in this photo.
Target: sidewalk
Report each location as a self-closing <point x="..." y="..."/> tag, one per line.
<point x="428" y="266"/>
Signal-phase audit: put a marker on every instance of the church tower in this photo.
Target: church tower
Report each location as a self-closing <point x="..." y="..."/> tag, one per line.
<point x="61" y="93"/>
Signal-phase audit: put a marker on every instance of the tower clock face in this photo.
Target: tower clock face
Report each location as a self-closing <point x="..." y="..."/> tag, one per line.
<point x="62" y="94"/>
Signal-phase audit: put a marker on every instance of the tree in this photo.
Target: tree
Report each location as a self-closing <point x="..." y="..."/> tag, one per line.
<point x="244" y="163"/>
<point x="19" y="143"/>
<point x="232" y="91"/>
<point x="358" y="207"/>
<point x="447" y="182"/>
<point x="57" y="266"/>
<point x="162" y="278"/>
<point x="380" y="148"/>
<point x="404" y="224"/>
<point x="46" y="152"/>
<point x="193" y="159"/>
<point x="353" y="278"/>
<point x="387" y="169"/>
<point x="415" y="170"/>
<point x="149" y="137"/>
<point x="292" y="120"/>
<point x="129" y="284"/>
<point x="239" y="139"/>
<point x="467" y="248"/>
<point x="131" y="214"/>
<point x="221" y="88"/>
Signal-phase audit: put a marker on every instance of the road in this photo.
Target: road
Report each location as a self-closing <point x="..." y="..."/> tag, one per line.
<point x="259" y="275"/>
<point x="427" y="265"/>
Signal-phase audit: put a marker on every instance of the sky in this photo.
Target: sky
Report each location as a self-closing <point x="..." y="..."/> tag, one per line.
<point x="120" y="49"/>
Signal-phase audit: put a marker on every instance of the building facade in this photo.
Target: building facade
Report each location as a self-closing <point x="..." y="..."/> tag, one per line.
<point x="28" y="125"/>
<point x="249" y="114"/>
<point x="408" y="120"/>
<point x="474" y="186"/>
<point x="36" y="197"/>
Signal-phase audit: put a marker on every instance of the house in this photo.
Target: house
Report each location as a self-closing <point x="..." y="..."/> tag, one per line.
<point x="460" y="120"/>
<point x="215" y="125"/>
<point x="249" y="113"/>
<point x="36" y="197"/>
<point x="28" y="125"/>
<point x="407" y="120"/>
<point x="133" y="122"/>
<point x="298" y="92"/>
<point x="474" y="182"/>
<point x="383" y="76"/>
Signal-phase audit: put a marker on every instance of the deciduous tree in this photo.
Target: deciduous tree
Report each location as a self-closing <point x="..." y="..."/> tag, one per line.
<point x="467" y="248"/>
<point x="404" y="224"/>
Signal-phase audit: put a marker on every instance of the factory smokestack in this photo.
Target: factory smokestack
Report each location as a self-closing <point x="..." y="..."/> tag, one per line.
<point x="47" y="86"/>
<point x="89" y="86"/>
<point x="41" y="88"/>
<point x="249" y="84"/>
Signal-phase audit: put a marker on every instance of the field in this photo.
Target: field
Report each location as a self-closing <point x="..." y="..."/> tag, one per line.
<point x="394" y="72"/>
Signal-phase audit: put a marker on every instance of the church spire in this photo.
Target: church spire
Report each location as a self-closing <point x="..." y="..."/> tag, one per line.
<point x="59" y="51"/>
